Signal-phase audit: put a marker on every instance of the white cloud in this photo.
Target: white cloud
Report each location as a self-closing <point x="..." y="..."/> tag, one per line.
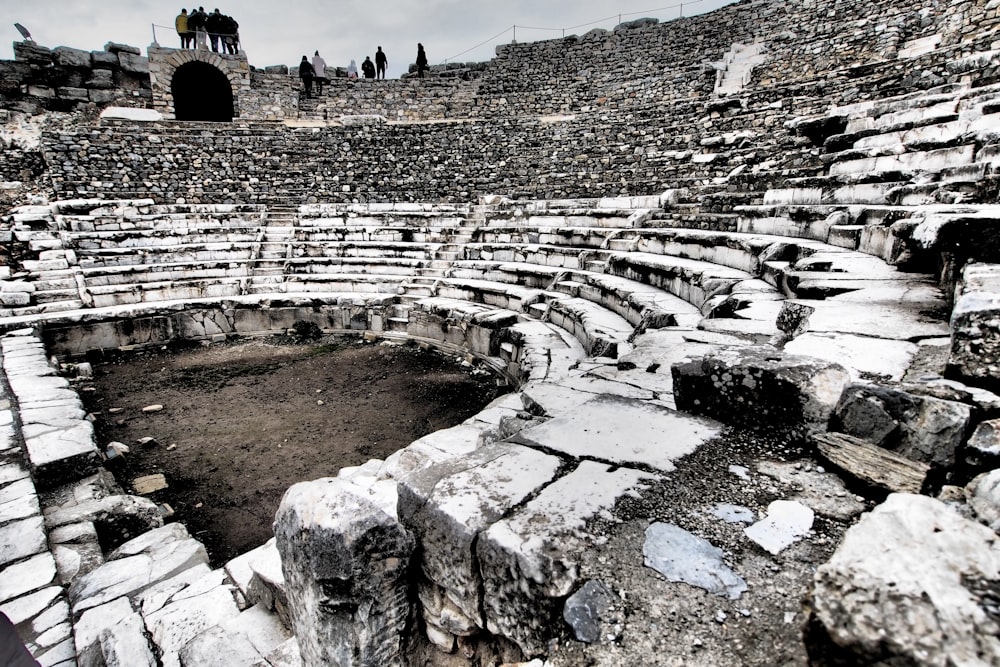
<point x="281" y="31"/>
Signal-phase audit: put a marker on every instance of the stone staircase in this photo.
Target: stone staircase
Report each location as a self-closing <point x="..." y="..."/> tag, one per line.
<point x="268" y="267"/>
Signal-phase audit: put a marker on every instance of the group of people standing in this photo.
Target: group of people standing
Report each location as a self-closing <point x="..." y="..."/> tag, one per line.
<point x="314" y="72"/>
<point x="198" y="28"/>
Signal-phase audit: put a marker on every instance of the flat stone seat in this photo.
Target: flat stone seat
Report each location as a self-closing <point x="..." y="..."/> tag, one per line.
<point x="569" y="257"/>
<point x="151" y="239"/>
<point x="581" y="237"/>
<point x="365" y="249"/>
<point x="499" y="295"/>
<point x="309" y="300"/>
<point x="692" y="280"/>
<point x="343" y="282"/>
<point x="144" y="273"/>
<point x="602" y="332"/>
<point x="638" y="303"/>
<point x="167" y="254"/>
<point x="165" y="290"/>
<point x="402" y="266"/>
<point x="515" y="273"/>
<point x="372" y="234"/>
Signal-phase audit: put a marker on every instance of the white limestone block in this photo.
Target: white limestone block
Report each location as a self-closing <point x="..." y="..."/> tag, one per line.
<point x="910" y="583"/>
<point x="27" y="576"/>
<point x="531" y="560"/>
<point x="176" y="624"/>
<point x="786" y="522"/>
<point x="449" y="504"/>
<point x="134" y="573"/>
<point x="624" y="432"/>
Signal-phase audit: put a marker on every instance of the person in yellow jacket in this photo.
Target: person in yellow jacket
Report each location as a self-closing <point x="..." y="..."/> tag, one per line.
<point x="181" y="23"/>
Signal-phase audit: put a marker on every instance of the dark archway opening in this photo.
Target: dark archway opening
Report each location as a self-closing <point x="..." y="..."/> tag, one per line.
<point x="201" y="92"/>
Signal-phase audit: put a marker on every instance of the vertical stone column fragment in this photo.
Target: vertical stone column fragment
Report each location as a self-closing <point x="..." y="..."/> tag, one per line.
<point x="345" y="562"/>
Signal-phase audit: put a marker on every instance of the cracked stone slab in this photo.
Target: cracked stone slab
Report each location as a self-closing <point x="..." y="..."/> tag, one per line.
<point x="155" y="557"/>
<point x="449" y="504"/>
<point x="624" y="432"/>
<point x="172" y="627"/>
<point x="530" y="561"/>
<point x="27" y="576"/>
<point x="23" y="538"/>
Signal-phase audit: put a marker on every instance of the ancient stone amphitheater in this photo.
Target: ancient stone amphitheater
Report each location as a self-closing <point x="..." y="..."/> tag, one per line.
<point x="738" y="266"/>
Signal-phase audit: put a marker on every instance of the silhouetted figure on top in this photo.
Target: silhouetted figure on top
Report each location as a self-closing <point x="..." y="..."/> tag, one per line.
<point x="368" y="68"/>
<point x="421" y="60"/>
<point x="307" y="74"/>
<point x="380" y="62"/>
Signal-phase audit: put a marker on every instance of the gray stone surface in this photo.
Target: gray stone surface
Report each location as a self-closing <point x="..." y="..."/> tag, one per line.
<point x="983" y="496"/>
<point x="530" y="560"/>
<point x="682" y="557"/>
<point x="590" y="613"/>
<point x="176" y="624"/>
<point x="760" y="387"/>
<point x="160" y="557"/>
<point x="449" y="504"/>
<point x="345" y="563"/>
<point x="912" y="582"/>
<point x="922" y="428"/>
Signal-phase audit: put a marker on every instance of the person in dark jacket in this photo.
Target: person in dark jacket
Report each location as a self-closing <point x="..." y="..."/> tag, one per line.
<point x="215" y="25"/>
<point x="380" y="62"/>
<point x="368" y="68"/>
<point x="307" y="74"/>
<point x="230" y="35"/>
<point x="196" y="26"/>
<point x="421" y="60"/>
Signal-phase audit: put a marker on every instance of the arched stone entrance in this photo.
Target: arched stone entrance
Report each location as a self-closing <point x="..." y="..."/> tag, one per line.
<point x="201" y="92"/>
<point x="198" y="85"/>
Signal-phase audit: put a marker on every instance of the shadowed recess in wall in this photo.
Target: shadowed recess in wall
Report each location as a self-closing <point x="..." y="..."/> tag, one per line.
<point x="202" y="93"/>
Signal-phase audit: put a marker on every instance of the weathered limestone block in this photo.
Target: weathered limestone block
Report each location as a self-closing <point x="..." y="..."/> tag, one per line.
<point x="921" y="428"/>
<point x="124" y="644"/>
<point x="120" y="517"/>
<point x="345" y="563"/>
<point x="983" y="496"/>
<point x="530" y="561"/>
<point x="137" y="565"/>
<point x="449" y="504"/>
<point x="64" y="56"/>
<point x="912" y="583"/>
<point x="761" y="388"/>
<point x="178" y="623"/>
<point x="975" y="325"/>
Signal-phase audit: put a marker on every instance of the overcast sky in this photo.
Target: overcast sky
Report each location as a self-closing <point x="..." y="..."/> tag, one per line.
<point x="280" y="32"/>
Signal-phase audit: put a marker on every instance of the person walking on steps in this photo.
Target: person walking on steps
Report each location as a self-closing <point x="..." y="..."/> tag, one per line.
<point x="307" y="74"/>
<point x="380" y="62"/>
<point x="319" y="71"/>
<point x="421" y="60"/>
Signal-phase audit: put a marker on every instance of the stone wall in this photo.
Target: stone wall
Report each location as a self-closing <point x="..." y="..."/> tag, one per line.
<point x="66" y="79"/>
